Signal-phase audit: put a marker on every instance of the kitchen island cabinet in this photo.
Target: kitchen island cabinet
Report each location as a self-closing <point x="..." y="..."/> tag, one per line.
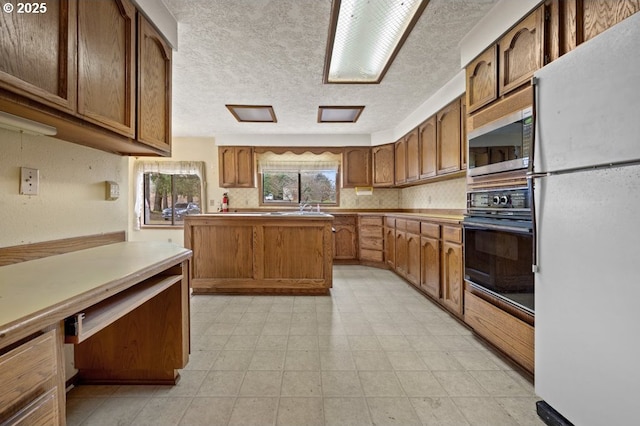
<point x="257" y="253"/>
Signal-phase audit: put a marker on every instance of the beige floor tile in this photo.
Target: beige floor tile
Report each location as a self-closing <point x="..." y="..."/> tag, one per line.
<point x="267" y="360"/>
<point x="302" y="343"/>
<point x="380" y="383"/>
<point x="336" y="360"/>
<point x="364" y="343"/>
<point x="438" y="412"/>
<point x="300" y="411"/>
<point x="302" y="360"/>
<point x="371" y="360"/>
<point x="116" y="411"/>
<point x="484" y="412"/>
<point x="346" y="411"/>
<point x="201" y="360"/>
<point x="132" y="391"/>
<point x="498" y="383"/>
<point x="395" y="343"/>
<point x="241" y="343"/>
<point x="188" y="385"/>
<point x="253" y="317"/>
<point x="272" y="343"/>
<point x="341" y="383"/>
<point x="425" y="342"/>
<point x="301" y="383"/>
<point x="208" y="412"/>
<point x="406" y="360"/>
<point x="220" y="329"/>
<point x="333" y="342"/>
<point x="522" y="409"/>
<point x="392" y="411"/>
<point x="358" y="329"/>
<point x="162" y="412"/>
<point x="303" y="329"/>
<point x="420" y="383"/>
<point x="91" y="391"/>
<point x="221" y="383"/>
<point x="254" y="412"/>
<point x="475" y="360"/>
<point x="261" y="383"/>
<point x="459" y="383"/>
<point x="275" y="329"/>
<point x="279" y="317"/>
<point x="208" y="342"/>
<point x="440" y="361"/>
<point x="78" y="409"/>
<point x="233" y="360"/>
<point x="455" y="343"/>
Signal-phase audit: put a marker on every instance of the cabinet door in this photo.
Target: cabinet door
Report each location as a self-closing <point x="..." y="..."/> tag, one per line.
<point x="482" y="85"/>
<point x="244" y="167"/>
<point x="448" y="137"/>
<point x="345" y="243"/>
<point x="154" y="87"/>
<point x="227" y="166"/>
<point x="401" y="161"/>
<point x="383" y="161"/>
<point x="413" y="156"/>
<point x="401" y="253"/>
<point x="106" y="77"/>
<point x="357" y="167"/>
<point x="452" y="276"/>
<point x="521" y="52"/>
<point x="463" y="134"/>
<point x="598" y="15"/>
<point x="428" y="143"/>
<point x="413" y="259"/>
<point x="38" y="54"/>
<point x="390" y="247"/>
<point x="430" y="266"/>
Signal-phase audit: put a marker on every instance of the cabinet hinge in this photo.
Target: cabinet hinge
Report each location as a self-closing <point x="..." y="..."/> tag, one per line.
<point x="546" y="59"/>
<point x="547" y="14"/>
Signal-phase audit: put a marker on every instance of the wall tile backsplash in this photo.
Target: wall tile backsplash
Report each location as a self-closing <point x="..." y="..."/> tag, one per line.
<point x="450" y="194"/>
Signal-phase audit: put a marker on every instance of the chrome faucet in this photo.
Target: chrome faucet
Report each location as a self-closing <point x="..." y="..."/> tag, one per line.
<point x="304" y="206"/>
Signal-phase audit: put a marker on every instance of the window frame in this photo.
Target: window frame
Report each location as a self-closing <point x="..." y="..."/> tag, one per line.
<point x="262" y="203"/>
<point x="174" y="199"/>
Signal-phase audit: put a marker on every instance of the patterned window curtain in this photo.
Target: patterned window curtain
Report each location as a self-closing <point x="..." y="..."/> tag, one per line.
<point x="168" y="168"/>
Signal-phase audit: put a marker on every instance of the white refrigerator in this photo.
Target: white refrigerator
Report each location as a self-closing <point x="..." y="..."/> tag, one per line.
<point x="587" y="211"/>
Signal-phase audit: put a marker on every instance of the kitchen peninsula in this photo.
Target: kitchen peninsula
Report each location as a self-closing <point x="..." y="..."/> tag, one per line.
<point x="259" y="253"/>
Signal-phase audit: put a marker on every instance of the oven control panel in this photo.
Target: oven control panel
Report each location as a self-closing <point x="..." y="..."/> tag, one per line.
<point x="509" y="198"/>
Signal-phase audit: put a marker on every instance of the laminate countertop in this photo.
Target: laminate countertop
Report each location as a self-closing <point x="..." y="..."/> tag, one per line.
<point x="44" y="291"/>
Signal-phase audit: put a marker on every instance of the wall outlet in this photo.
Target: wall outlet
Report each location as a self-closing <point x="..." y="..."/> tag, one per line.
<point x="112" y="190"/>
<point x="29" y="181"/>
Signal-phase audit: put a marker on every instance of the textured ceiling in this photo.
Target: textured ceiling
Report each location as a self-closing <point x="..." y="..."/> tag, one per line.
<point x="271" y="52"/>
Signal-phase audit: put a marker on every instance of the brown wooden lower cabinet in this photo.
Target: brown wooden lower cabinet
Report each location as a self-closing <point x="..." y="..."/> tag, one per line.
<point x="345" y="238"/>
<point x="430" y="266"/>
<point x="510" y="334"/>
<point x="371" y="239"/>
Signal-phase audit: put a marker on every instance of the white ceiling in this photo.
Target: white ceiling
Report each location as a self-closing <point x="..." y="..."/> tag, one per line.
<point x="271" y="52"/>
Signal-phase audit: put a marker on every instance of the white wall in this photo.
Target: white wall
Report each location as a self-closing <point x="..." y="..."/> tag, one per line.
<point x="71" y="201"/>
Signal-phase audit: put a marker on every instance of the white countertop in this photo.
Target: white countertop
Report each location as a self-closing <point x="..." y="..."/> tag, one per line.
<point x="35" y="288"/>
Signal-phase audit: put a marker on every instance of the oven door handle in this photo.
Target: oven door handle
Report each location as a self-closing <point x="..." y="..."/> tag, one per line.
<point x="484" y="226"/>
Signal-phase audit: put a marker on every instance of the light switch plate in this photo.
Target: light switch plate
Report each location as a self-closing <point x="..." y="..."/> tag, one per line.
<point x="29" y="181"/>
<point x="112" y="190"/>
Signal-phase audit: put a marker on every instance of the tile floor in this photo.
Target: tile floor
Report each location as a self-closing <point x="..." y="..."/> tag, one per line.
<point x="374" y="352"/>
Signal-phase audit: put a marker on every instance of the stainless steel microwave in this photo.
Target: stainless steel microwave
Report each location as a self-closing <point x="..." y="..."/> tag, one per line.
<point x="501" y="145"/>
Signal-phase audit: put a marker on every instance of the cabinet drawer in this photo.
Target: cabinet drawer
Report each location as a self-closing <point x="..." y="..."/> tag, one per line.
<point x="390" y="222"/>
<point x="344" y="220"/>
<point x="371" y="232"/>
<point x="371" y="243"/>
<point x="401" y="224"/>
<point x="41" y="412"/>
<point x="370" y="221"/>
<point x="430" y="230"/>
<point x="372" y="255"/>
<point x="452" y="234"/>
<point x="413" y="226"/>
<point x="25" y="370"/>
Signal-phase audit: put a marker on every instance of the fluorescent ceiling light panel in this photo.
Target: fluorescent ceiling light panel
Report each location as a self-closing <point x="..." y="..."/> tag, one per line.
<point x="365" y="36"/>
<point x="253" y="113"/>
<point x="339" y="114"/>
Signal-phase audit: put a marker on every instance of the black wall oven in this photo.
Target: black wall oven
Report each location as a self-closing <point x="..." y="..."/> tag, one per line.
<point x="498" y="242"/>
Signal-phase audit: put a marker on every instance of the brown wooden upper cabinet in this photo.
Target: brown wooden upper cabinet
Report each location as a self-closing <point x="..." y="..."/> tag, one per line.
<point x="449" y="122"/>
<point x="357" y="167"/>
<point x="154" y="87"/>
<point x="412" y="141"/>
<point x="383" y="162"/>
<point x="235" y="165"/>
<point x="598" y="15"/>
<point x="50" y="36"/>
<point x="428" y="148"/>
<point x="521" y="52"/>
<point x="106" y="65"/>
<point x="400" y="154"/>
<point x="482" y="85"/>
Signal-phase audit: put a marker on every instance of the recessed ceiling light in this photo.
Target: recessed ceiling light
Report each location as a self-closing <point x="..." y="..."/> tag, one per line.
<point x="339" y="114"/>
<point x="253" y="113"/>
<point x="365" y="36"/>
